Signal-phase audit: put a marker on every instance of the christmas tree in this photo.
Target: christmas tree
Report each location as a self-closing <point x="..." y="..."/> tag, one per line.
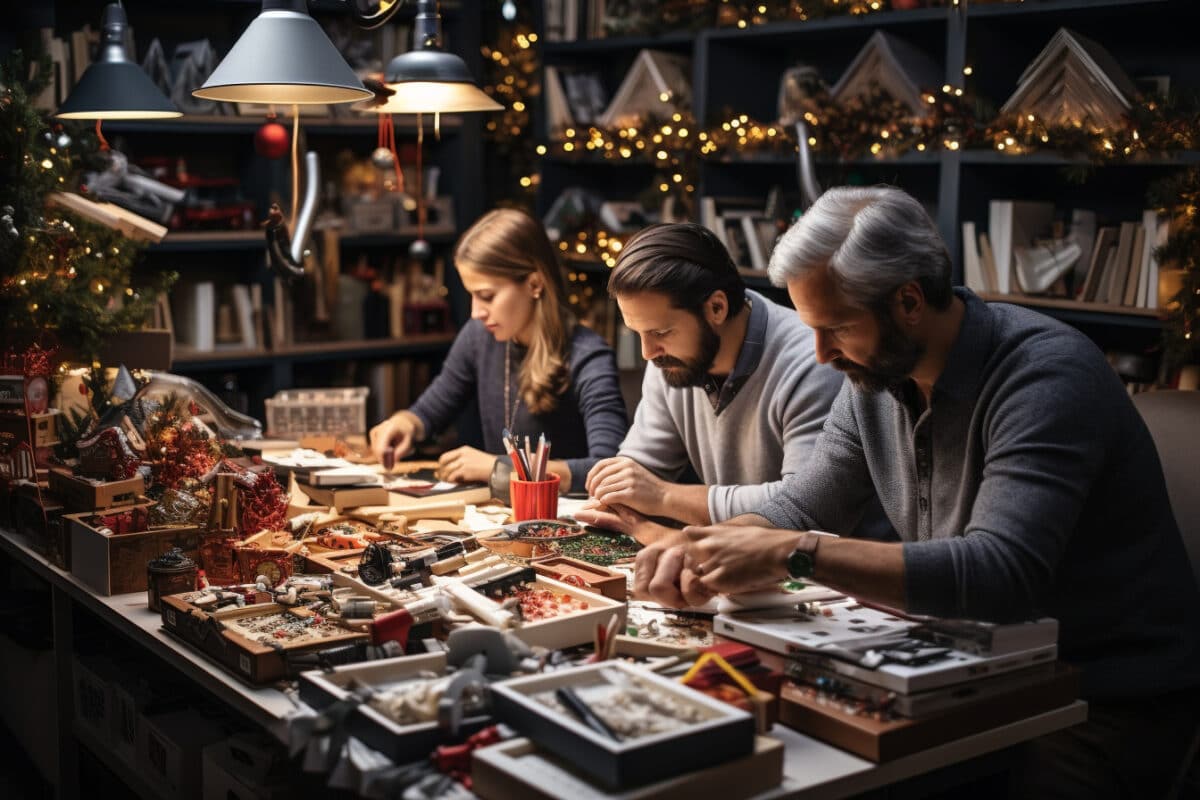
<point x="64" y="280"/>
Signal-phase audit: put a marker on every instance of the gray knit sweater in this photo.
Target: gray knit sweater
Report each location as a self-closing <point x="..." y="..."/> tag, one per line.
<point x="771" y="410"/>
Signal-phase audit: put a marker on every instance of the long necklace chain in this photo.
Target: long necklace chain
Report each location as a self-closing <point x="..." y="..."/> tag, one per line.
<point x="510" y="410"/>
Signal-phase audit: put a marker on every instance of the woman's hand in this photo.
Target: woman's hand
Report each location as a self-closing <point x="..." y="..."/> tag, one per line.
<point x="466" y="465"/>
<point x="392" y="439"/>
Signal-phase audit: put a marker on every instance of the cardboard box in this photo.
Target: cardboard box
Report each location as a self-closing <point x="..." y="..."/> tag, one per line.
<point x="518" y="770"/>
<point x="723" y="734"/>
<point x="884" y="740"/>
<point x="116" y="563"/>
<point x="130" y="697"/>
<point x="93" y="677"/>
<point x="171" y="745"/>
<point x="80" y="494"/>
<point x="44" y="428"/>
<point x="223" y="778"/>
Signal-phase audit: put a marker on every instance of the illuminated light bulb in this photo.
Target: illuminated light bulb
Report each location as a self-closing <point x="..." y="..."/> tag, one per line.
<point x="570" y="132"/>
<point x="615" y="246"/>
<point x="812" y="141"/>
<point x="921" y="147"/>
<point x="946" y="88"/>
<point x="664" y="96"/>
<point x="662" y="187"/>
<point x="677" y="178"/>
<point x="526" y="182"/>
<point x="661" y="155"/>
<point x="568" y="146"/>
<point x="541" y="149"/>
<point x="518" y="106"/>
<point x="683" y="133"/>
<point x="666" y="129"/>
<point x="581" y="248"/>
<point x="968" y="70"/>
<point x="47" y="163"/>
<point x="1008" y="140"/>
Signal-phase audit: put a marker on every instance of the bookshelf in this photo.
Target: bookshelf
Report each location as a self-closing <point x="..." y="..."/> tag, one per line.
<point x="739" y="70"/>
<point x="223" y="145"/>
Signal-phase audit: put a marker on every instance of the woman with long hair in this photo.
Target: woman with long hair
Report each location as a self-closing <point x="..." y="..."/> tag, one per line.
<point x="523" y="356"/>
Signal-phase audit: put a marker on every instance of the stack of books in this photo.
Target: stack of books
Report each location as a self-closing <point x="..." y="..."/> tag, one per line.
<point x="883" y="685"/>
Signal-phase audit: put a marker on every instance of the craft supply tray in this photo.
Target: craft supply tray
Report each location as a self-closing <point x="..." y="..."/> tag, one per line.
<point x="723" y="734"/>
<point x="577" y="627"/>
<point x="401" y="743"/>
<point x="214" y="633"/>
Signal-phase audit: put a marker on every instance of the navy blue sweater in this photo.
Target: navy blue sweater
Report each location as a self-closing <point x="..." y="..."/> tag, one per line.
<point x="1030" y="486"/>
<point x="588" y="424"/>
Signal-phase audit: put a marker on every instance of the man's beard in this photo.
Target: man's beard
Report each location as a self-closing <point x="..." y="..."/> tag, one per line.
<point x="891" y="364"/>
<point x="692" y="372"/>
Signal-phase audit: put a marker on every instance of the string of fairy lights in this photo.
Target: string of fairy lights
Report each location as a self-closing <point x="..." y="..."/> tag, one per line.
<point x="872" y="126"/>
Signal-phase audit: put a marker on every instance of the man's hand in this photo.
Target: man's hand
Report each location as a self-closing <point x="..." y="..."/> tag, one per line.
<point x="738" y="558"/>
<point x="392" y="439"/>
<point x="621" y="481"/>
<point x="466" y="465"/>
<point x="660" y="574"/>
<point x="622" y="519"/>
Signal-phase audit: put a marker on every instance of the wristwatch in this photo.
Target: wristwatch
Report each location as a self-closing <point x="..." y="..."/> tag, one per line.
<point x="802" y="561"/>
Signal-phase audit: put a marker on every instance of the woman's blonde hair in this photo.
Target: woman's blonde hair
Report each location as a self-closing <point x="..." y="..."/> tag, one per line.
<point x="507" y="243"/>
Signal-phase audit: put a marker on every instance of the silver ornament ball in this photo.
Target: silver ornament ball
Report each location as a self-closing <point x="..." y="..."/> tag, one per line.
<point x="383" y="158"/>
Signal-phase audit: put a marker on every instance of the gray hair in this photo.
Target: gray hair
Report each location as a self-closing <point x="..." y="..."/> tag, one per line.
<point x="873" y="240"/>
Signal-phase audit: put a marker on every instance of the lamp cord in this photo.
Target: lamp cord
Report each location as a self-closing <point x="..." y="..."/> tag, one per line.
<point x="295" y="162"/>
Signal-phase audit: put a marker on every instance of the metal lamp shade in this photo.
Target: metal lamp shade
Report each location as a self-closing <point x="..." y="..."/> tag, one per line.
<point x="429" y="81"/>
<point x="283" y="57"/>
<point x="114" y="87"/>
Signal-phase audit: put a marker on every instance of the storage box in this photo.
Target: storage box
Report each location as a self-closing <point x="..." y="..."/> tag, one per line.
<point x="519" y="770"/>
<point x="224" y="779"/>
<point x="116" y="563"/>
<point x="297" y="412"/>
<point x="401" y="743"/>
<point x="371" y="216"/>
<point x="93" y="677"/>
<point x="44" y="428"/>
<point x="876" y="740"/>
<point x="169" y="755"/>
<point x="339" y="498"/>
<point x="578" y="627"/>
<point x="601" y="580"/>
<point x="250" y="659"/>
<point x="81" y="494"/>
<point x="723" y="734"/>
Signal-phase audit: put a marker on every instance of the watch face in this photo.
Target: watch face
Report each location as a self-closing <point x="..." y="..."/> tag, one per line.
<point x="800" y="564"/>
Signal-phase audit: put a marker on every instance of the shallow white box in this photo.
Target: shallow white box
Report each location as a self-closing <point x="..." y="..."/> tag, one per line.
<point x="726" y="734"/>
<point x="401" y="743"/>
<point x="575" y="628"/>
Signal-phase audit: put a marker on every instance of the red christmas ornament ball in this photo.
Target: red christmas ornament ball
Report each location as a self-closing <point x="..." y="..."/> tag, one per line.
<point x="271" y="140"/>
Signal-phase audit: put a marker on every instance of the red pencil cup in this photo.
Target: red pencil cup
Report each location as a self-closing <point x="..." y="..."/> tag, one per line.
<point x="534" y="499"/>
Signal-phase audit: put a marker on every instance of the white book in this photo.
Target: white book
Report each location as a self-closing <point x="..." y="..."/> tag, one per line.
<point x="558" y="110"/>
<point x="195" y="313"/>
<point x="972" y="267"/>
<point x="1015" y="223"/>
<point x="244" y="309"/>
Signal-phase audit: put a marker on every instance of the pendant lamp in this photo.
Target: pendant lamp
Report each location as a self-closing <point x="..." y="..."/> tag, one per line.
<point x="283" y="57"/>
<point x="427" y="79"/>
<point x="114" y="87"/>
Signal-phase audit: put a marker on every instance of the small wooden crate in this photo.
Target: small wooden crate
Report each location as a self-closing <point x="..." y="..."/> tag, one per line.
<point x="252" y="660"/>
<point x="80" y="494"/>
<point x="115" y="563"/>
<point x="44" y="428"/>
